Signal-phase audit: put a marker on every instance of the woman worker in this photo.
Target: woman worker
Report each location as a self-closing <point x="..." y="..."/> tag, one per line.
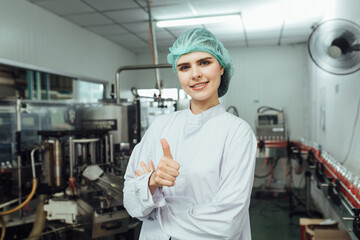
<point x="204" y="157"/>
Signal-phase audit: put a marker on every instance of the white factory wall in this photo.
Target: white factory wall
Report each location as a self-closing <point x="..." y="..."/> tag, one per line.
<point x="277" y="77"/>
<point x="273" y="76"/>
<point x="37" y="39"/>
<point x="146" y="78"/>
<point x="333" y="105"/>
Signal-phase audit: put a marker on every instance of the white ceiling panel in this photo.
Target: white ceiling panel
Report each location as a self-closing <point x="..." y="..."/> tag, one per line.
<point x="216" y="7"/>
<point x="265" y="34"/>
<point x="128" y="16"/>
<point x="299" y="31"/>
<point x="107" y="29"/>
<point x="234" y="44"/>
<point x="172" y="12"/>
<point x="173" y="2"/>
<point x="293" y="40"/>
<point x="89" y="19"/>
<point x="159" y="34"/>
<point x="231" y="37"/>
<point x="155" y="3"/>
<point x="140" y="49"/>
<point x="165" y="43"/>
<point x="128" y="40"/>
<point x="225" y="28"/>
<point x="164" y="49"/>
<point x="147" y="50"/>
<point x="303" y="28"/>
<point x="137" y="27"/>
<point x="263" y="42"/>
<point x="125" y="22"/>
<point x="103" y="5"/>
<point x="177" y="31"/>
<point x="64" y="7"/>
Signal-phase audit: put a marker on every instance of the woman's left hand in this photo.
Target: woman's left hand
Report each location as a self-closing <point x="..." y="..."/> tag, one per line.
<point x="145" y="168"/>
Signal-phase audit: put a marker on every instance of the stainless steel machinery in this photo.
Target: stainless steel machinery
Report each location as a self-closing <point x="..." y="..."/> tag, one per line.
<point x="46" y="147"/>
<point x="270" y="124"/>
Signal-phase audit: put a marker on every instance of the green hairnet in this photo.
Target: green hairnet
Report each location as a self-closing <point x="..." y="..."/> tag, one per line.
<point x="202" y="40"/>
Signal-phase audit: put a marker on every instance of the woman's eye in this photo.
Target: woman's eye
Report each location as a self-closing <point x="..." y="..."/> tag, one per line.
<point x="183" y="68"/>
<point x="204" y="63"/>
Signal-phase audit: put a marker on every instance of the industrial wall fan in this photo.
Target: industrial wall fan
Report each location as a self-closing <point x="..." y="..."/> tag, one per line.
<point x="334" y="46"/>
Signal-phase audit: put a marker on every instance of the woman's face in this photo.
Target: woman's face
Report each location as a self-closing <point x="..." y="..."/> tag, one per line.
<point x="200" y="75"/>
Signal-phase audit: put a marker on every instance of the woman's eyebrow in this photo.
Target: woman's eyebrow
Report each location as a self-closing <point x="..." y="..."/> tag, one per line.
<point x="182" y="64"/>
<point x="207" y="58"/>
<point x="200" y="60"/>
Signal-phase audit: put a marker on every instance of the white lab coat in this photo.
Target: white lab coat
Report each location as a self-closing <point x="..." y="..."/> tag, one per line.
<point x="211" y="197"/>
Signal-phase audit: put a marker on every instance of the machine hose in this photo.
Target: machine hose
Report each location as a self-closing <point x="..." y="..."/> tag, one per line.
<point x="32" y="193"/>
<point x="27" y="200"/>
<point x="3" y="228"/>
<point x="40" y="219"/>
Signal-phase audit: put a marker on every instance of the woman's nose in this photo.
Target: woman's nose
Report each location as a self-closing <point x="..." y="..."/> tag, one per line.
<point x="196" y="73"/>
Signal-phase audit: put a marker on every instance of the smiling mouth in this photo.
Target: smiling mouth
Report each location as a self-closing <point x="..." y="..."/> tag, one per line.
<point x="199" y="85"/>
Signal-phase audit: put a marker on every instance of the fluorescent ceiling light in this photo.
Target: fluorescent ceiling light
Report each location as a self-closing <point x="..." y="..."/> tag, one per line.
<point x="199" y="20"/>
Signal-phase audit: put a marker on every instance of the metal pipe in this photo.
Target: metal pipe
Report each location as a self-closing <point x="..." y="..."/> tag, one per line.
<point x="57" y="162"/>
<point x="22" y="204"/>
<point x="18" y="148"/>
<point x="308" y="190"/>
<point x="107" y="148"/>
<point x="84" y="153"/>
<point x="154" y="45"/>
<point x="71" y="157"/>
<point x="111" y="151"/>
<point x="92" y="152"/>
<point x="48" y="162"/>
<point x="27" y="200"/>
<point x="281" y="32"/>
<point x="86" y="140"/>
<point x="38" y="85"/>
<point x="33" y="161"/>
<point x="30" y="83"/>
<point x="8" y="203"/>
<point x="47" y="86"/>
<point x="133" y="67"/>
<point x="100" y="151"/>
<point x="245" y="34"/>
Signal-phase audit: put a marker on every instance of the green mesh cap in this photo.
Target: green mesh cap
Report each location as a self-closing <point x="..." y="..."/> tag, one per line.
<point x="202" y="40"/>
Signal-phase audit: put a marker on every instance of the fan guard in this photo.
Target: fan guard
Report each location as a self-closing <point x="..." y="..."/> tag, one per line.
<point x="334" y="46"/>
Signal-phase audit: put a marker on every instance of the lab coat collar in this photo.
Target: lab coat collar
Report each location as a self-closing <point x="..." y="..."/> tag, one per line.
<point x="202" y="118"/>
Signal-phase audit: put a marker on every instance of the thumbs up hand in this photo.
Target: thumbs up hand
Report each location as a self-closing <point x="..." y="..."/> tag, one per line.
<point x="167" y="170"/>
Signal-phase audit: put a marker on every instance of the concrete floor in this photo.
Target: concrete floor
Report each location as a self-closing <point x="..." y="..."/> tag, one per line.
<point x="270" y="217"/>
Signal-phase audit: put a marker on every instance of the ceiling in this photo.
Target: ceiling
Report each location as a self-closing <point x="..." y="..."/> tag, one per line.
<point x="125" y="22"/>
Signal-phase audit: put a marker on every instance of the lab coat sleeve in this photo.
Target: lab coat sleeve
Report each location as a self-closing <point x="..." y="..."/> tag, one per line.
<point x="138" y="200"/>
<point x="226" y="216"/>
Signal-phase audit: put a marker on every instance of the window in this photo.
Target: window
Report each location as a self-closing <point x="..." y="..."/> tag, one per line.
<point x="173" y="93"/>
<point x="88" y="92"/>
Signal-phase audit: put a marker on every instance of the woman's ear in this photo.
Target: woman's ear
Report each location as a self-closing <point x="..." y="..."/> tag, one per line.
<point x="222" y="70"/>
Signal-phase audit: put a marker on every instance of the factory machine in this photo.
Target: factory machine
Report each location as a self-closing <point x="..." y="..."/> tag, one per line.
<point x="270" y="124"/>
<point x="270" y="131"/>
<point x="71" y="157"/>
